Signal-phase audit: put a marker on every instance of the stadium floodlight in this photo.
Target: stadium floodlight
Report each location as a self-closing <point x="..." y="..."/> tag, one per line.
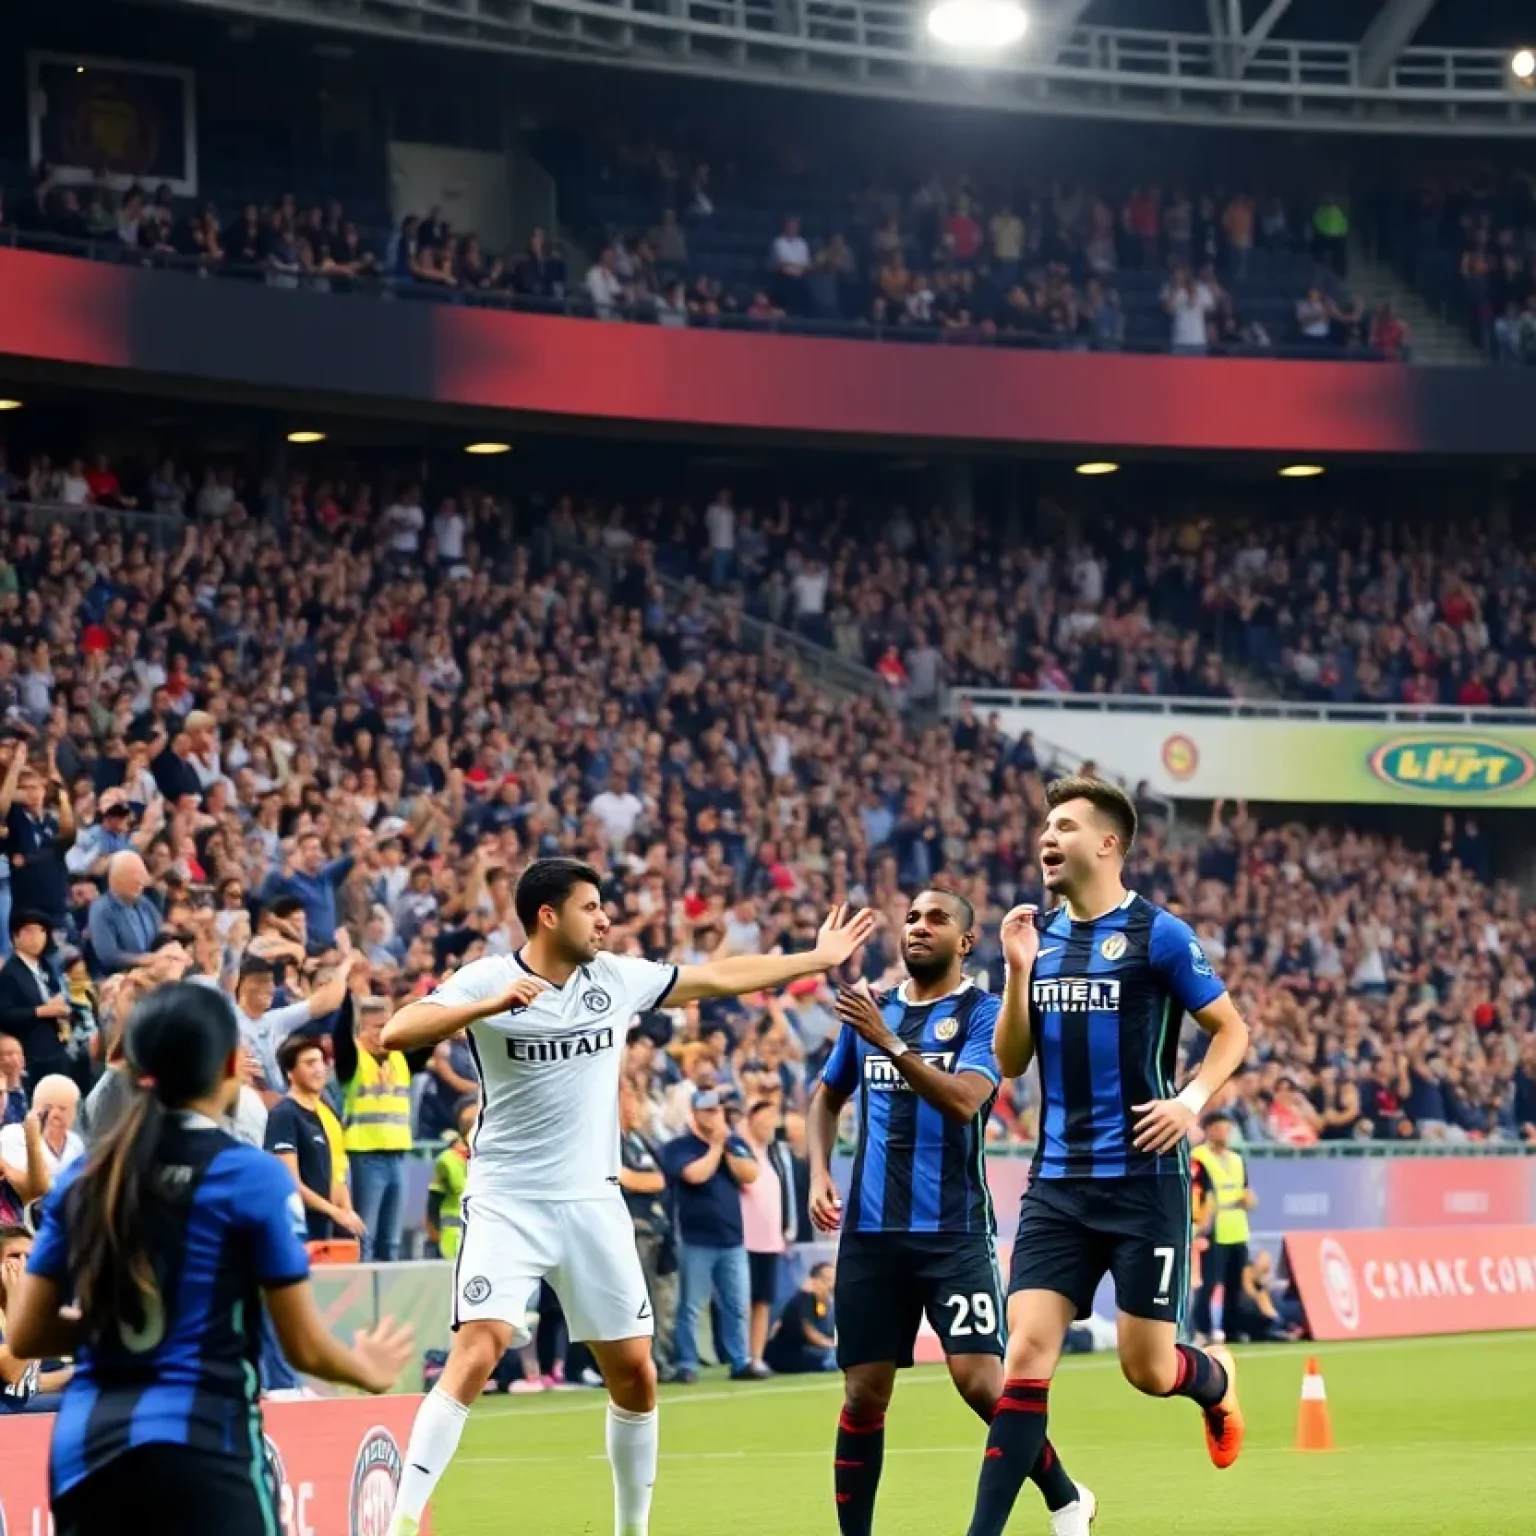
<point x="10" y="405"/>
<point x="1522" y="65"/>
<point x="978" y="26"/>
<point x="305" y="435"/>
<point x="1097" y="467"/>
<point x="486" y="450"/>
<point x="1302" y="471"/>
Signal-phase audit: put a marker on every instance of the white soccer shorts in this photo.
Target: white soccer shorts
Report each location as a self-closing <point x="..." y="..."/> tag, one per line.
<point x="584" y="1248"/>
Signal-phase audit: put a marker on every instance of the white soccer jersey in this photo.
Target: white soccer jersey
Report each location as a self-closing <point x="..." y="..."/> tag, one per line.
<point x="549" y="1126"/>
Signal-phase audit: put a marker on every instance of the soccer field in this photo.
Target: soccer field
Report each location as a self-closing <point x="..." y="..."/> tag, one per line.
<point x="1432" y="1435"/>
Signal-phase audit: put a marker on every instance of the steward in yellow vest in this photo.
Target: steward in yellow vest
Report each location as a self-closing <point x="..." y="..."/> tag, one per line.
<point x="376" y="1124"/>
<point x="1222" y="1201"/>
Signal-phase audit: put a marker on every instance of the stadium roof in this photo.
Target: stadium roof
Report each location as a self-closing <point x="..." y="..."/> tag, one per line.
<point x="1364" y="66"/>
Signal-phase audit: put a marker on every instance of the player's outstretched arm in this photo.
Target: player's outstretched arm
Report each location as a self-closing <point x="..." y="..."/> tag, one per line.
<point x="841" y="937"/>
<point x="1013" y="1039"/>
<point x="457" y="1004"/>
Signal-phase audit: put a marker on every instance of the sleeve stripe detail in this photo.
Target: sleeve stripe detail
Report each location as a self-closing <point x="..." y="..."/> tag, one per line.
<point x="666" y="991"/>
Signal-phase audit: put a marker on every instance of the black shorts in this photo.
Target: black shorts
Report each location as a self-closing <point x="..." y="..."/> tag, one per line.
<point x="183" y="1486"/>
<point x="886" y="1281"/>
<point x="763" y="1277"/>
<point x="1074" y="1231"/>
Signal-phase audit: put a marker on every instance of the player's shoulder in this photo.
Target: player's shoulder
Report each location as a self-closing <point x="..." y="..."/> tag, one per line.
<point x="480" y="978"/>
<point x="977" y="1004"/>
<point x="1165" y="928"/>
<point x="627" y="974"/>
<point x="242" y="1179"/>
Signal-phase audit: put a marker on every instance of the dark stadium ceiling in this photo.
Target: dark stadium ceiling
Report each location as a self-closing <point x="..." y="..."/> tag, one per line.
<point x="1437" y="67"/>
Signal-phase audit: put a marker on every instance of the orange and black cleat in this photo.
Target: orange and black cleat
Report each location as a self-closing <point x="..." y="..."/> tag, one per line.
<point x="1224" y="1422"/>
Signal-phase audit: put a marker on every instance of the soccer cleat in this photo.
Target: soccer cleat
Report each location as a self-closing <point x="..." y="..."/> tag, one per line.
<point x="1224" y="1422"/>
<point x="1076" y="1518"/>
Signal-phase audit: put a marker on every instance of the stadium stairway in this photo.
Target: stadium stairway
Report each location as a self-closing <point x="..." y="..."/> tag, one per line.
<point x="1432" y="338"/>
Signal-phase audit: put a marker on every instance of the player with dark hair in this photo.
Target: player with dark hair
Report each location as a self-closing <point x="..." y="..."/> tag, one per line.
<point x="170" y="1237"/>
<point x="918" y="1228"/>
<point x="547" y="1028"/>
<point x="1097" y="991"/>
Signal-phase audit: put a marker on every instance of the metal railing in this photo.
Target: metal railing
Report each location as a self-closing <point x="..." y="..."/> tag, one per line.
<point x="578" y="306"/>
<point x="880" y="48"/>
<point x="1332" y="1151"/>
<point x="163" y="529"/>
<point x="984" y="699"/>
<point x="822" y="665"/>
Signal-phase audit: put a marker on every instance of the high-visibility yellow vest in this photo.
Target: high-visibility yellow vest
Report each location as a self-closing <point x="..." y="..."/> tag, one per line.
<point x="377" y="1107"/>
<point x="1229" y="1179"/>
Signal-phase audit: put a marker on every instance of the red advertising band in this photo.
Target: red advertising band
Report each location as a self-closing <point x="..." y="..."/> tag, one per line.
<point x="1408" y="1282"/>
<point x="62" y="310"/>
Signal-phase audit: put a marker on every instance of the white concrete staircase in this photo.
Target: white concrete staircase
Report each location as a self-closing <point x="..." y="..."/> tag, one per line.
<point x="1431" y="339"/>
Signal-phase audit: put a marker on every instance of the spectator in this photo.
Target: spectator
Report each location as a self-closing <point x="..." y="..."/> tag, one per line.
<point x="1389" y="333"/>
<point x="37" y="838"/>
<point x="25" y="1387"/>
<point x="13" y="1093"/>
<point x="298" y="1136"/>
<point x="604" y="286"/>
<point x="24" y="1169"/>
<point x="124" y="923"/>
<point x="1189" y="303"/>
<point x="1312" y="317"/>
<point x="707" y="1166"/>
<point x="377" y="1126"/>
<point x="451" y="1078"/>
<point x="264" y="1028"/>
<point x="313" y="882"/>
<point x="1237" y="222"/>
<point x="789" y="261"/>
<point x="450" y="1174"/>
<point x="1330" y="234"/>
<point x="55" y="1103"/>
<point x="650" y="1209"/>
<point x="805" y="1335"/>
<point x="670" y="243"/>
<point x="767" y="1217"/>
<point x="33" y="1005"/>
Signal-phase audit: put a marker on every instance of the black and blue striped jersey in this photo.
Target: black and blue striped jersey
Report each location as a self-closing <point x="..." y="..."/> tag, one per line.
<point x="1107" y="1000"/>
<point x="914" y="1169"/>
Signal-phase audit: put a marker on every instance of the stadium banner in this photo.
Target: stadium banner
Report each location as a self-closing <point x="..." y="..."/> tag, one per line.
<point x="59" y="309"/>
<point x="336" y="1462"/>
<point x="1305" y="762"/>
<point x="1409" y="1282"/>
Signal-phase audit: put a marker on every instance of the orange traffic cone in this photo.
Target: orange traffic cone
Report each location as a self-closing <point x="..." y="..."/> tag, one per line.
<point x="1314" y="1429"/>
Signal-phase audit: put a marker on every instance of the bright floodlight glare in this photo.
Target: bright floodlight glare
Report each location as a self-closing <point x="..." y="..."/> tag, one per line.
<point x="1523" y="64"/>
<point x="1302" y="471"/>
<point x="978" y="25"/>
<point x="1097" y="467"/>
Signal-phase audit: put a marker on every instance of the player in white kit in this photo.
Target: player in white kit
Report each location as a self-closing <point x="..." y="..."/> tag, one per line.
<point x="547" y="1028"/>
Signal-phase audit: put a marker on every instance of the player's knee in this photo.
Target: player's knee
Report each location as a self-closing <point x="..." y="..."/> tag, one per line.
<point x="864" y="1400"/>
<point x="632" y="1383"/>
<point x="1148" y="1373"/>
<point x="477" y="1351"/>
<point x="1032" y="1355"/>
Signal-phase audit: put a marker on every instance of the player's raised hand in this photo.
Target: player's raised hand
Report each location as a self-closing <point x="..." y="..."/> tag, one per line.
<point x="1161" y="1124"/>
<point x="1020" y="938"/>
<point x="381" y="1353"/>
<point x="826" y="1205"/>
<point x="517" y="996"/>
<point x="843" y="936"/>
<point x="857" y="1008"/>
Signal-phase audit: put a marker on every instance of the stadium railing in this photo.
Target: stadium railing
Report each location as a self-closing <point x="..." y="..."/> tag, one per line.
<point x="578" y="305"/>
<point x="164" y="529"/>
<point x="823" y="666"/>
<point x="985" y="699"/>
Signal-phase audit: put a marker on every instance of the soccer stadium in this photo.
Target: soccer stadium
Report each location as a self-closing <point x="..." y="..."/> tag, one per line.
<point x="760" y="757"/>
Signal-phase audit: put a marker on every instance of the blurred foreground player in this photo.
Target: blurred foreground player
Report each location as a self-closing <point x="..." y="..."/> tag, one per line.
<point x="1097" y="991"/>
<point x="547" y="1029"/>
<point x="919" y="1234"/>
<point x="169" y="1236"/>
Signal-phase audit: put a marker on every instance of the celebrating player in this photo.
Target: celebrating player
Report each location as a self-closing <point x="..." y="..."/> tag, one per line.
<point x="920" y="1230"/>
<point x="542" y="1202"/>
<point x="1097" y="993"/>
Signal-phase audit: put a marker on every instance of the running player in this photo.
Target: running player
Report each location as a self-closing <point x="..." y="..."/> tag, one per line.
<point x="542" y="1201"/>
<point x="920" y="1231"/>
<point x="1097" y="991"/>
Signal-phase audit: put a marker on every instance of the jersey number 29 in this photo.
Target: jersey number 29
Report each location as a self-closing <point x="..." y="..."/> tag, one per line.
<point x="973" y="1314"/>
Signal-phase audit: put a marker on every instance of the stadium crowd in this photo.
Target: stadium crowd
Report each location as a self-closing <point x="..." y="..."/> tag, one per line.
<point x="1206" y="272"/>
<point x="303" y="752"/>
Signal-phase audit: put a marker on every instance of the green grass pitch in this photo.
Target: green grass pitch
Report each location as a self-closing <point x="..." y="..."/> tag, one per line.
<point x="1433" y="1436"/>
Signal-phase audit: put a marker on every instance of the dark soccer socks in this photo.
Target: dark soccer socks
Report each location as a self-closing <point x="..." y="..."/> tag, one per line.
<point x="1014" y="1445"/>
<point x="856" y="1471"/>
<point x="1050" y="1477"/>
<point x="1200" y="1377"/>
